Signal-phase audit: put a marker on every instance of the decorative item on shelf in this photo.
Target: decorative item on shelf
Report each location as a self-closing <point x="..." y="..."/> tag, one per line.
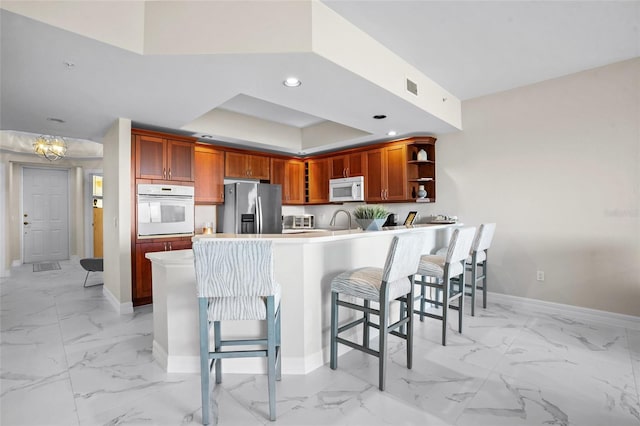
<point x="413" y="192"/>
<point x="50" y="147"/>
<point x="422" y="155"/>
<point x="370" y="218"/>
<point x="421" y="191"/>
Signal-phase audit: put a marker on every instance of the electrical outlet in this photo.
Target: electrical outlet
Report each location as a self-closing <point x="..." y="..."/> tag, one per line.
<point x="540" y="275"/>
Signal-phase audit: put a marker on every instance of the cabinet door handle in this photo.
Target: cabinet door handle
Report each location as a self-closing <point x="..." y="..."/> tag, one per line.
<point x="169" y="173"/>
<point x="170" y="248"/>
<point x="348" y="172"/>
<point x="164" y="173"/>
<point x="165" y="246"/>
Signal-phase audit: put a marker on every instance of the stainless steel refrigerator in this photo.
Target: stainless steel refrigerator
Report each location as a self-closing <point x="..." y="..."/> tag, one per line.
<point x="250" y="208"/>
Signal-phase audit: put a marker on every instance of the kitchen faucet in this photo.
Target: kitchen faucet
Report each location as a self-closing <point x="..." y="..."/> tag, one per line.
<point x="333" y="218"/>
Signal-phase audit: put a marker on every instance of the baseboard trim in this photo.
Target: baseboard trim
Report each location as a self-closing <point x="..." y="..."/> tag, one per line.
<point x="585" y="314"/>
<point x="121" y="308"/>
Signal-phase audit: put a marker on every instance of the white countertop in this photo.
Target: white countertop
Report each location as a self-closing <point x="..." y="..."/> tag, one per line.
<point x="318" y="236"/>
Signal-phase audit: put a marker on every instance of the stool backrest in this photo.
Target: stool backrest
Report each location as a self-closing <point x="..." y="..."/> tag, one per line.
<point x="460" y="244"/>
<point x="403" y="256"/>
<point x="484" y="237"/>
<point x="234" y="268"/>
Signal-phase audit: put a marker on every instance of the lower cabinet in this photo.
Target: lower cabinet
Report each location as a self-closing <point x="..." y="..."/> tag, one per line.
<point x="142" y="291"/>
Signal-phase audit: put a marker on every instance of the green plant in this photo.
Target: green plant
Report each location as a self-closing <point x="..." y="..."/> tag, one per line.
<point x="370" y="212"/>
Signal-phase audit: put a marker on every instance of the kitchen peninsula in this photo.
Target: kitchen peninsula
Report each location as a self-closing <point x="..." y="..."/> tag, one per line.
<point x="304" y="265"/>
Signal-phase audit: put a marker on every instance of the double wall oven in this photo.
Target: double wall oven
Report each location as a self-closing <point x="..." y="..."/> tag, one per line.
<point x="165" y="210"/>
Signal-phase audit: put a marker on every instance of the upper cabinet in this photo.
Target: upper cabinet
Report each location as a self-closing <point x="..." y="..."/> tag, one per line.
<point x="346" y="165"/>
<point x="386" y="174"/>
<point x="242" y="165"/>
<point x="163" y="158"/>
<point x="317" y="181"/>
<point x="209" y="175"/>
<point x="421" y="168"/>
<point x="290" y="174"/>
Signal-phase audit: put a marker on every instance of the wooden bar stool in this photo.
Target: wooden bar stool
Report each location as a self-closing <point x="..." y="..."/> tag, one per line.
<point x="380" y="285"/>
<point x="235" y="282"/>
<point x="439" y="271"/>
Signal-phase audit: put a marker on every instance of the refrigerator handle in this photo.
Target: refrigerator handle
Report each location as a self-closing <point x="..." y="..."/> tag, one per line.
<point x="259" y="215"/>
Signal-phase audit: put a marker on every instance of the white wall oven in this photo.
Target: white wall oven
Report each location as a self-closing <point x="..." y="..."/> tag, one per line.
<point x="165" y="210"/>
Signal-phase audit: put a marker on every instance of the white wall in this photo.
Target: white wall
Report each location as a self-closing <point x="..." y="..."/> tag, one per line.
<point x="557" y="166"/>
<point x="117" y="214"/>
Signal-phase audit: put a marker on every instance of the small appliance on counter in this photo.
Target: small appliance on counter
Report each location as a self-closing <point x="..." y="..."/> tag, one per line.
<point x="391" y="220"/>
<point x="300" y="221"/>
<point x="443" y="219"/>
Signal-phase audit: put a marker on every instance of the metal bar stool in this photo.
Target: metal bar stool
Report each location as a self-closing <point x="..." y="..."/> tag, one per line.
<point x="381" y="285"/>
<point x="235" y="281"/>
<point x="438" y="272"/>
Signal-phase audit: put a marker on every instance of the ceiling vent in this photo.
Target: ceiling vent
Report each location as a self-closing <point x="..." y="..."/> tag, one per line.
<point x="412" y="87"/>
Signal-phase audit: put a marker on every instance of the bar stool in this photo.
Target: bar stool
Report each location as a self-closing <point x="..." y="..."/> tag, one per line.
<point x="478" y="258"/>
<point x="438" y="272"/>
<point x="381" y="285"/>
<point x="235" y="282"/>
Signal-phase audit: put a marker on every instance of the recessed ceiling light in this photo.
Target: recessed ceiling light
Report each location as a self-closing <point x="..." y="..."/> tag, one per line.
<point x="57" y="120"/>
<point x="379" y="116"/>
<point x="69" y="64"/>
<point x="292" y="82"/>
<point x="392" y="133"/>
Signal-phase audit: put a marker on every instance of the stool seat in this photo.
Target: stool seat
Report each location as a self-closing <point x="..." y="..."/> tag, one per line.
<point x="433" y="266"/>
<point x="365" y="283"/>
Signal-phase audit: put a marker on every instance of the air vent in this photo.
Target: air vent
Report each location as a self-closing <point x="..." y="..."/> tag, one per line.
<point x="412" y="87"/>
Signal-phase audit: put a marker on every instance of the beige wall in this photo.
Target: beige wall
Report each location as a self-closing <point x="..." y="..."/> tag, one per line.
<point x="117" y="213"/>
<point x="557" y="166"/>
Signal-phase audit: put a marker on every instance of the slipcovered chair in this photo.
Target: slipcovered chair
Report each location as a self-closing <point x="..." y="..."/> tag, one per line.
<point x="381" y="285"/>
<point x="438" y="272"/>
<point x="92" y="264"/>
<point x="235" y="281"/>
<point x="478" y="258"/>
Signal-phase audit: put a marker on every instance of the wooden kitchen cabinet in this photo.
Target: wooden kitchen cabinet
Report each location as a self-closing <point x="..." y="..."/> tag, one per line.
<point x="317" y="181"/>
<point x="161" y="158"/>
<point x="142" y="289"/>
<point x="209" y="175"/>
<point x="346" y="165"/>
<point x="386" y="174"/>
<point x="421" y="171"/>
<point x="242" y="165"/>
<point x="290" y="174"/>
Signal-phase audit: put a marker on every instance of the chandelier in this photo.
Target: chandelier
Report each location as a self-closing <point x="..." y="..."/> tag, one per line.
<point x="50" y="147"/>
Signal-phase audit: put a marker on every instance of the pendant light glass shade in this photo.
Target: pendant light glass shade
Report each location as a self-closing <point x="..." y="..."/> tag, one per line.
<point x="50" y="147"/>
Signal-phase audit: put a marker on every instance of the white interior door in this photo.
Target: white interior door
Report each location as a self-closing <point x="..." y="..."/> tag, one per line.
<point x="45" y="208"/>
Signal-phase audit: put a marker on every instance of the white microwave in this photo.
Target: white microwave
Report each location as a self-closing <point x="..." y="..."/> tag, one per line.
<point x="346" y="189"/>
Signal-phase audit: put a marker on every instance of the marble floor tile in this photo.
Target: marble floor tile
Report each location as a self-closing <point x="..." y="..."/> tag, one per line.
<point x="67" y="358"/>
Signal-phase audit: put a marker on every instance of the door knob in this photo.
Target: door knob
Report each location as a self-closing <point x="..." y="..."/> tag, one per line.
<point x="25" y="223"/>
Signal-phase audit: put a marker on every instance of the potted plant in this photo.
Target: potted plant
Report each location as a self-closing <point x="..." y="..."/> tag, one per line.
<point x="370" y="217"/>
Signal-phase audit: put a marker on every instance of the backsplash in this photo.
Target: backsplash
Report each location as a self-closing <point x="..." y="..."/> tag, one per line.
<point x="323" y="213"/>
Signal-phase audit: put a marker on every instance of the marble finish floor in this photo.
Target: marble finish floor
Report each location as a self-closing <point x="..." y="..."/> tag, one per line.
<point x="68" y="359"/>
